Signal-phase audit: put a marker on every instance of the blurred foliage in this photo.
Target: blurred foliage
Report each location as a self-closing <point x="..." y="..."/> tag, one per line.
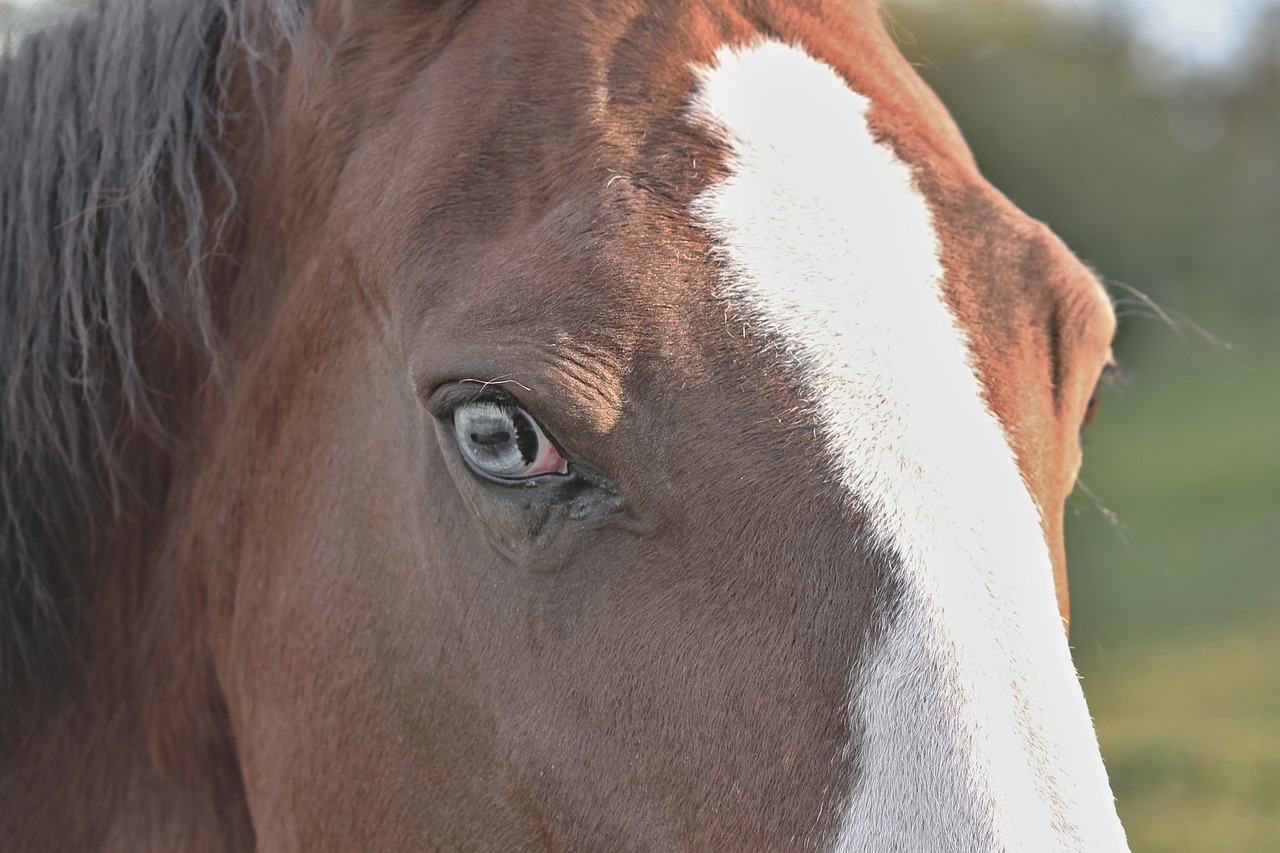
<point x="1167" y="179"/>
<point x="1175" y="594"/>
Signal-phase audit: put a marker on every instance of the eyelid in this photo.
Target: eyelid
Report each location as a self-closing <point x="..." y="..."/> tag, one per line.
<point x="449" y="398"/>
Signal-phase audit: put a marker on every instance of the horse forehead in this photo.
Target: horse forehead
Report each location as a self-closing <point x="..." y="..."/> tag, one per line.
<point x="572" y="176"/>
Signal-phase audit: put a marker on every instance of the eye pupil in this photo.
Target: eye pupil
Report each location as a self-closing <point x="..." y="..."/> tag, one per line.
<point x="491" y="439"/>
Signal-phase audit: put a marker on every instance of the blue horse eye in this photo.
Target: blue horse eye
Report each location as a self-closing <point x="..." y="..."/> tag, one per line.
<point x="502" y="441"/>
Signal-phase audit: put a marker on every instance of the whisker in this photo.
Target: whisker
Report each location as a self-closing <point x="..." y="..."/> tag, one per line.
<point x="1112" y="517"/>
<point x="1177" y="322"/>
<point x="1225" y="347"/>
<point x="500" y="380"/>
<point x="1150" y="303"/>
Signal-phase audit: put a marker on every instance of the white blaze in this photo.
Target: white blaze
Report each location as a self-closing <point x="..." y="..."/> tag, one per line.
<point x="975" y="734"/>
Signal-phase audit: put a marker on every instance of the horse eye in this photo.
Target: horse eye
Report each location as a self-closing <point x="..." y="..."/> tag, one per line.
<point x="1112" y="373"/>
<point x="1091" y="409"/>
<point x="502" y="441"/>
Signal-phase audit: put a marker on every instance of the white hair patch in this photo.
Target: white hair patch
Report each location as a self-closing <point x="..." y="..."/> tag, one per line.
<point x="975" y="735"/>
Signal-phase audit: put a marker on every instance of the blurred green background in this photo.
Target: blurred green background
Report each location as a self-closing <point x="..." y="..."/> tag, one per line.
<point x="1165" y="176"/>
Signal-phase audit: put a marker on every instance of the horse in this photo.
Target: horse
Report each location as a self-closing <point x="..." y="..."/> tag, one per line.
<point x="460" y="424"/>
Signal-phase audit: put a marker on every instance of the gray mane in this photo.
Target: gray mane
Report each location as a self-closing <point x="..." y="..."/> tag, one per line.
<point x="109" y="128"/>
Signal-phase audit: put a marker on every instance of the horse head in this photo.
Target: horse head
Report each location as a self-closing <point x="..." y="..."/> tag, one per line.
<point x="637" y="426"/>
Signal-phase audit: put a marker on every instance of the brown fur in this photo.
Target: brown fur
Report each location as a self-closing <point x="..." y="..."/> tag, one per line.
<point x="328" y="639"/>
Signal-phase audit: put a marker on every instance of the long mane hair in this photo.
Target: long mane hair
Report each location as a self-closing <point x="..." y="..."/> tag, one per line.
<point x="109" y="150"/>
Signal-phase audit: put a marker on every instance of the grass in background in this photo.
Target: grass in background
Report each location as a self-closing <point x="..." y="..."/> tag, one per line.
<point x="1176" y="599"/>
<point x="1190" y="730"/>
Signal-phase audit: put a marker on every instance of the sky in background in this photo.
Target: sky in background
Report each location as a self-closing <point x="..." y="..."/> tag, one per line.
<point x="1203" y="32"/>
